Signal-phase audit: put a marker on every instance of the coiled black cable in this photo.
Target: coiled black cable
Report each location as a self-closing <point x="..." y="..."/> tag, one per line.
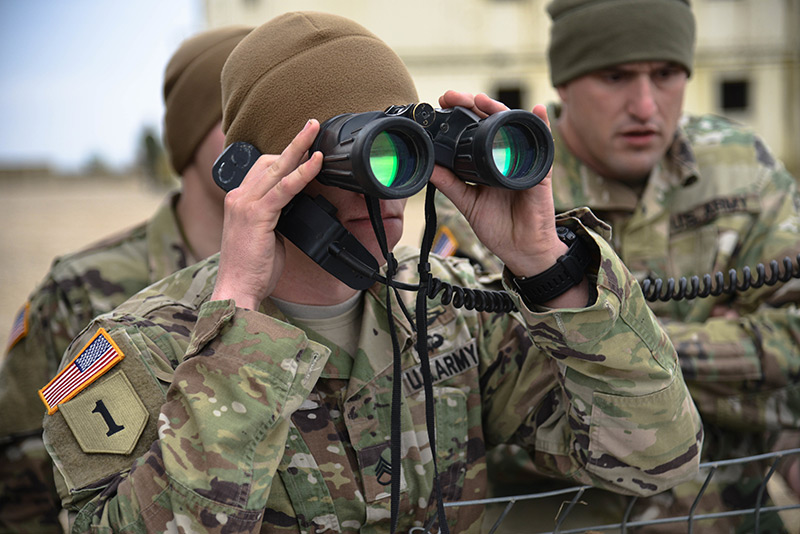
<point x="471" y="299"/>
<point x="655" y="289"/>
<point x="461" y="297"/>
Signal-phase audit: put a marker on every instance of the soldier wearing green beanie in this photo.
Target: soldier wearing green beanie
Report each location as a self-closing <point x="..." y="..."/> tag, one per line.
<point x="257" y="387"/>
<point x="685" y="195"/>
<point x="83" y="284"/>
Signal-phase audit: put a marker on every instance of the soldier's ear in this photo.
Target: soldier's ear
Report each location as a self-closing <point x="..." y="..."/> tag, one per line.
<point x="562" y="92"/>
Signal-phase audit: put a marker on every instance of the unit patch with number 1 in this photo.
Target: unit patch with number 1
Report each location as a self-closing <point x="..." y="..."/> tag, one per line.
<point x="109" y="417"/>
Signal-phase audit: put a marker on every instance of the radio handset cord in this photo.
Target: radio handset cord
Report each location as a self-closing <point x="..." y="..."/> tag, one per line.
<point x="656" y="289"/>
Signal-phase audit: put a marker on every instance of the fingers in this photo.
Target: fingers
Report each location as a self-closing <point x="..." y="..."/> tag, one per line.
<point x="541" y="112"/>
<point x="487" y="106"/>
<point x="275" y="180"/>
<point x="452" y="98"/>
<point x="480" y="104"/>
<point x="286" y="189"/>
<point x="267" y="208"/>
<point x="269" y="170"/>
<point x="268" y="159"/>
<point x="460" y="193"/>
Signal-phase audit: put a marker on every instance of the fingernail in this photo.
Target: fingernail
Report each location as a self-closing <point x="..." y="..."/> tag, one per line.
<point x="308" y="123"/>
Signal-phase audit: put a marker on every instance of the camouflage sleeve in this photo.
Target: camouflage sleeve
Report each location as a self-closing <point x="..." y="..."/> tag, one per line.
<point x="221" y="427"/>
<point x="743" y="370"/>
<point x="33" y="357"/>
<point x="28" y="498"/>
<point x="609" y="406"/>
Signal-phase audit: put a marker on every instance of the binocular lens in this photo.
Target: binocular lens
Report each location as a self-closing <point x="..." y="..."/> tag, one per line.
<point x="512" y="151"/>
<point x="392" y="160"/>
<point x="374" y="154"/>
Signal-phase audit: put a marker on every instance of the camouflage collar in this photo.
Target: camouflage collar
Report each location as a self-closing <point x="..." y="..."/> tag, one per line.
<point x="167" y="248"/>
<point x="682" y="156"/>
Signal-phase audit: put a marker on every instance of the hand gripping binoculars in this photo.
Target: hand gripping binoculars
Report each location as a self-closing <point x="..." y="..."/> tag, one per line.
<point x="391" y="153"/>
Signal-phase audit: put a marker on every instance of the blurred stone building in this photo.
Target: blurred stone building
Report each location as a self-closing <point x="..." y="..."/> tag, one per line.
<point x="747" y="63"/>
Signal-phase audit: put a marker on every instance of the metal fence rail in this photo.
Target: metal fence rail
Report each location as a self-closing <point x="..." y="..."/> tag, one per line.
<point x="625" y="525"/>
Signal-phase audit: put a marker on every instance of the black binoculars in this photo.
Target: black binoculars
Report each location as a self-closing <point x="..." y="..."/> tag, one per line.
<point x="391" y="153"/>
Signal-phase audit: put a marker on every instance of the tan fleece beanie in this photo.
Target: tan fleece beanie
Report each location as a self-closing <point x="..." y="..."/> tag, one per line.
<point x="192" y="93"/>
<point x="306" y="65"/>
<point x="588" y="35"/>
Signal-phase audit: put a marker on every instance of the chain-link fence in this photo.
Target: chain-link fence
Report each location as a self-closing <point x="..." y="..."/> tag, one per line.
<point x="570" y="506"/>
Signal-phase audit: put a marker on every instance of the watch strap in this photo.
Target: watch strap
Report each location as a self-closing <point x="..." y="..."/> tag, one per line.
<point x="567" y="272"/>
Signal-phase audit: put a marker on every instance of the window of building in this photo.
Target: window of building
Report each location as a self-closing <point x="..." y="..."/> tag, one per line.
<point x="511" y="96"/>
<point x="734" y="95"/>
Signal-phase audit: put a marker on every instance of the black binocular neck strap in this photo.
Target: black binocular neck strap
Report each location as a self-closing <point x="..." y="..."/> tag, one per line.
<point x="422" y="344"/>
<point x="373" y="207"/>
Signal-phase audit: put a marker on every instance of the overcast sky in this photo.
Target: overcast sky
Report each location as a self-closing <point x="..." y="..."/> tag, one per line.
<point x="83" y="77"/>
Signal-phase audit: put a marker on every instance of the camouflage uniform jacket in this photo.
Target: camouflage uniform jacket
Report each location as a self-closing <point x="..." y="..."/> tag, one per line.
<point x="221" y="419"/>
<point x="77" y="288"/>
<point x="717" y="201"/>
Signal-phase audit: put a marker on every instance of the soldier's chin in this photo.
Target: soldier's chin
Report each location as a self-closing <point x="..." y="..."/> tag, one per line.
<point x="635" y="169"/>
<point x="363" y="231"/>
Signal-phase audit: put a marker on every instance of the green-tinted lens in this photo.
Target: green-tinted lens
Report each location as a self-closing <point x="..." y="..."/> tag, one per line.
<point x="513" y="151"/>
<point x="383" y="159"/>
<point x="501" y="151"/>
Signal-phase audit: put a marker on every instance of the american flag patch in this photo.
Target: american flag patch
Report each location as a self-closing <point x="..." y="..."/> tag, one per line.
<point x="444" y="243"/>
<point x="98" y="356"/>
<point x="19" y="329"/>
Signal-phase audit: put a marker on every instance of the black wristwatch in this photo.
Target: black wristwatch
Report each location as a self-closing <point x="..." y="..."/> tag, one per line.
<point x="567" y="272"/>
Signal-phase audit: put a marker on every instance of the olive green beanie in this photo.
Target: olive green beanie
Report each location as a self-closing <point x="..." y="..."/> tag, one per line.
<point x="588" y="35"/>
<point x="306" y="65"/>
<point x="192" y="94"/>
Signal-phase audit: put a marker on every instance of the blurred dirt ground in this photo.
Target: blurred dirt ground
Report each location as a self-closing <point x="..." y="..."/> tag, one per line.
<point x="44" y="217"/>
